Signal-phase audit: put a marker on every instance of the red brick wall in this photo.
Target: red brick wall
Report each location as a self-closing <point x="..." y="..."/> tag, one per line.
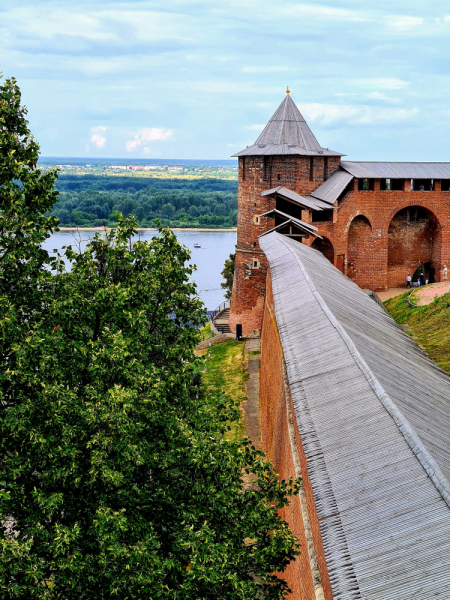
<point x="413" y="238"/>
<point x="277" y="446"/>
<point x="370" y="252"/>
<point x="365" y="245"/>
<point x="256" y="174"/>
<point x="360" y="249"/>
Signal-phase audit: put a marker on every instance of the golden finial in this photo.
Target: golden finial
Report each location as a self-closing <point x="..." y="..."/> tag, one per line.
<point x="288" y="91"/>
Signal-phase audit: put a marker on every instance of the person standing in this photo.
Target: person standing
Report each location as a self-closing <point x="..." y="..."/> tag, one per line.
<point x="408" y="281"/>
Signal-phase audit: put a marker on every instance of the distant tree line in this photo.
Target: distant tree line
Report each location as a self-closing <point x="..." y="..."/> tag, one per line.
<point x="92" y="201"/>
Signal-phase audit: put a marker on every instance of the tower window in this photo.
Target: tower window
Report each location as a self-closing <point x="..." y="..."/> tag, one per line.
<point x="266" y="167"/>
<point x="311" y="168"/>
<point x="255" y="263"/>
<point x="278" y="176"/>
<point x="256" y="220"/>
<point x="243" y="168"/>
<point x="325" y="168"/>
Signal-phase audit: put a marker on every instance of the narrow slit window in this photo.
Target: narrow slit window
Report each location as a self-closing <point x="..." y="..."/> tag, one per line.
<point x="266" y="167"/>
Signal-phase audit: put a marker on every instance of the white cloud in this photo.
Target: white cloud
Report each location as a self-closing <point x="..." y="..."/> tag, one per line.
<point x="369" y="96"/>
<point x="264" y="69"/>
<point x="57" y="22"/>
<point x="148" y="134"/>
<point x="387" y="83"/>
<point x="255" y="127"/>
<point x="97" y="139"/>
<point x="334" y="114"/>
<point x="381" y="96"/>
<point x="402" y="22"/>
<point x="318" y="11"/>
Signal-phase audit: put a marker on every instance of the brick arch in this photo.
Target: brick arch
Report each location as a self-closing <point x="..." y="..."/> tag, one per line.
<point x="325" y="246"/>
<point x="414" y="237"/>
<point x="401" y="206"/>
<point x="355" y="215"/>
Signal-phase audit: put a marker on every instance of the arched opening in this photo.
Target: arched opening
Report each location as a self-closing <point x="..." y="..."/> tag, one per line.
<point x="325" y="246"/>
<point x="359" y="250"/>
<point x="414" y="239"/>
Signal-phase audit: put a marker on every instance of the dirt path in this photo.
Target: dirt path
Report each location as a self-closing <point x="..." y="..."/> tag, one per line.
<point x="424" y="295"/>
<point x="251" y="407"/>
<point x="390" y="293"/>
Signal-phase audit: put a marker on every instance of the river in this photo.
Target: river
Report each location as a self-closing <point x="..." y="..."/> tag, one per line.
<point x="215" y="248"/>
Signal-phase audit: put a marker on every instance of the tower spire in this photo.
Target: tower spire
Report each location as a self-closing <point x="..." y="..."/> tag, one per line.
<point x="287" y="132"/>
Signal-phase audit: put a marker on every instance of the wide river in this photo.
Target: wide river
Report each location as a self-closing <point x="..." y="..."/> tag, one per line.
<point x="216" y="246"/>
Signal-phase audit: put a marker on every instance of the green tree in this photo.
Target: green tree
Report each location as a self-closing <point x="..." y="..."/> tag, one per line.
<point x="116" y="475"/>
<point x="228" y="275"/>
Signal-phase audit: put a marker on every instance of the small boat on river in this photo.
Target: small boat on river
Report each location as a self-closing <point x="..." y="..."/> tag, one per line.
<point x="197" y="246"/>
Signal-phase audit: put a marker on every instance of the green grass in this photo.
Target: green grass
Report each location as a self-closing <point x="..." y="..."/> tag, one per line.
<point x="226" y="373"/>
<point x="430" y="325"/>
<point x="206" y="332"/>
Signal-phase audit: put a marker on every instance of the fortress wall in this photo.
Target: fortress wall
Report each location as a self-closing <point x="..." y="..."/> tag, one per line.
<point x="277" y="446"/>
<point x="383" y="256"/>
<point x="256" y="174"/>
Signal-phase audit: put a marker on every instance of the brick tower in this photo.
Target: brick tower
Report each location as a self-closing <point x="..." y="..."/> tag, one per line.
<point x="285" y="156"/>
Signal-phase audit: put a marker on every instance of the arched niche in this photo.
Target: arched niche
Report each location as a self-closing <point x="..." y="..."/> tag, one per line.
<point x="414" y="238"/>
<point x="325" y="246"/>
<point x="359" y="250"/>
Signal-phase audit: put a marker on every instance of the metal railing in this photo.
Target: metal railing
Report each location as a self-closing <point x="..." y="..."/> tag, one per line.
<point x="207" y="335"/>
<point x="213" y="313"/>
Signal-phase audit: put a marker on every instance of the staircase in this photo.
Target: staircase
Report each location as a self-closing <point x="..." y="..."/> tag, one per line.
<point x="220" y="321"/>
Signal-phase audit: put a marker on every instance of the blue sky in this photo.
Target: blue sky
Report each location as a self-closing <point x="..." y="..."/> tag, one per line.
<point x="199" y="79"/>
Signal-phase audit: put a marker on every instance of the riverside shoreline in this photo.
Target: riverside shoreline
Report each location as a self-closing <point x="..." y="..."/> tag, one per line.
<point x="146" y="229"/>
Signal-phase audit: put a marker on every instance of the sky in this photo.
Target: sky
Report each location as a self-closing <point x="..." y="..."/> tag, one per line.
<point x="199" y="79"/>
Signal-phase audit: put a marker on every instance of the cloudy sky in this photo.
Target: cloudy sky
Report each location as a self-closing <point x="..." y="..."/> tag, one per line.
<point x="200" y="78"/>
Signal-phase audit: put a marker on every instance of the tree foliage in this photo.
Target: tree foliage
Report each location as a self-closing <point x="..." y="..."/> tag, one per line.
<point x="228" y="274"/>
<point x="116" y="475"/>
<point x="95" y="200"/>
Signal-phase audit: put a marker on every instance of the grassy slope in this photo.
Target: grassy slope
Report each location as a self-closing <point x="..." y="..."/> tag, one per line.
<point x="430" y="325"/>
<point x="226" y="371"/>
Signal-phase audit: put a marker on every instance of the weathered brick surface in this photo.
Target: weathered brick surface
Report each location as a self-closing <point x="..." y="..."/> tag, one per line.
<point x="256" y="174"/>
<point x="276" y="445"/>
<point x="382" y="257"/>
<point x="372" y="238"/>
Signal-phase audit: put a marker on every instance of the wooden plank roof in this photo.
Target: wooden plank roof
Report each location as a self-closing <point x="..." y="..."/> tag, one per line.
<point x="333" y="187"/>
<point x="307" y="227"/>
<point x="305" y="201"/>
<point x="397" y="170"/>
<point x="373" y="412"/>
<point x="287" y="132"/>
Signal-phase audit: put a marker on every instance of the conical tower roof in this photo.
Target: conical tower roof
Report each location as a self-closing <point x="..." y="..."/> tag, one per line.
<point x="287" y="126"/>
<point x="287" y="132"/>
